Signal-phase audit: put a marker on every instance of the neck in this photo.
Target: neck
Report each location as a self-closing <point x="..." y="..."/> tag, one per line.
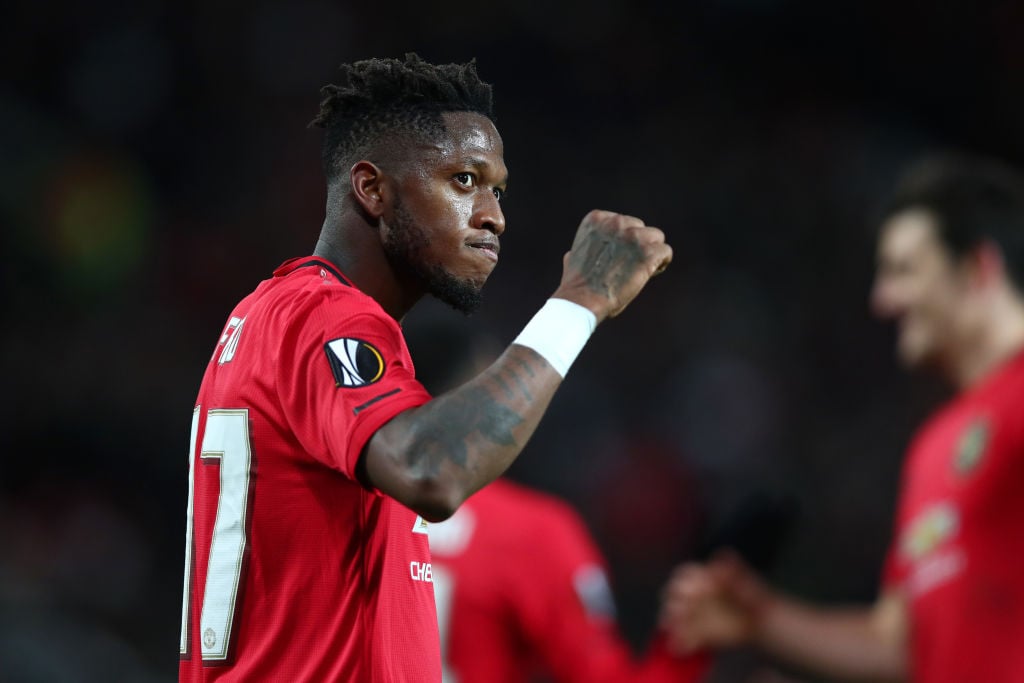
<point x="353" y="245"/>
<point x="996" y="343"/>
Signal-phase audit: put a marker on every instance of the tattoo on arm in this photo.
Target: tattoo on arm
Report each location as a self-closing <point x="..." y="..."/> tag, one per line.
<point x="525" y="365"/>
<point x="504" y="376"/>
<point x="471" y="411"/>
<point x="505" y="388"/>
<point x="522" y="387"/>
<point x="593" y="263"/>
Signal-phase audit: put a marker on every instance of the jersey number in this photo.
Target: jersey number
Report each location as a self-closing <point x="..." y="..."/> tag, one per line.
<point x="444" y="592"/>
<point x="225" y="446"/>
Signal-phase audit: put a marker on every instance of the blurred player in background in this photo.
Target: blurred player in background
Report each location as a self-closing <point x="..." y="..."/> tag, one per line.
<point x="951" y="609"/>
<point x="315" y="454"/>
<point x="522" y="589"/>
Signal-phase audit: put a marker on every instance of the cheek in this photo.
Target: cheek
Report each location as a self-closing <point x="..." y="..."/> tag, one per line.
<point x="460" y="208"/>
<point x="454" y="219"/>
<point x="935" y="316"/>
<point x="446" y="206"/>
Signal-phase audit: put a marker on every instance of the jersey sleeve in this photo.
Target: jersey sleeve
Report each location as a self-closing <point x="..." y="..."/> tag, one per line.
<point x="342" y="377"/>
<point x="571" y="622"/>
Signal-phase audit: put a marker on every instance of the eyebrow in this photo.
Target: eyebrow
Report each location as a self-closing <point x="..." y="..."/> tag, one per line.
<point x="480" y="164"/>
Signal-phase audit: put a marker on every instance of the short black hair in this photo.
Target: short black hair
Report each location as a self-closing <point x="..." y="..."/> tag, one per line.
<point x="384" y="96"/>
<point x="972" y="199"/>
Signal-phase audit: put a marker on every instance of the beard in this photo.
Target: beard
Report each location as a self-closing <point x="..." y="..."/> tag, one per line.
<point x="405" y="244"/>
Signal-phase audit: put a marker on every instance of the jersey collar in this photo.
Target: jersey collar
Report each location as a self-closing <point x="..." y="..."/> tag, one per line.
<point x="293" y="264"/>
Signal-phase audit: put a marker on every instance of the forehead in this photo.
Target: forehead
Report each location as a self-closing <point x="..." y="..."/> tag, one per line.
<point x="467" y="136"/>
<point x="912" y="233"/>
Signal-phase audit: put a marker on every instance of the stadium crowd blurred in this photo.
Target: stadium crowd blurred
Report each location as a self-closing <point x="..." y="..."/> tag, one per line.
<point x="155" y="163"/>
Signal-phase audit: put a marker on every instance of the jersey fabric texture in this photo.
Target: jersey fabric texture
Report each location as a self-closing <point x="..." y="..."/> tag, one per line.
<point x="298" y="572"/>
<point x="522" y="590"/>
<point x="959" y="526"/>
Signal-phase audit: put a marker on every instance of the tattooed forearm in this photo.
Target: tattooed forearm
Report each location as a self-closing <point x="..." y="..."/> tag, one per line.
<point x="495" y="422"/>
<point x="526" y="365"/>
<point x="433" y="457"/>
<point x="472" y="411"/>
<point x="525" y="390"/>
<point x="504" y="386"/>
<point x="512" y="374"/>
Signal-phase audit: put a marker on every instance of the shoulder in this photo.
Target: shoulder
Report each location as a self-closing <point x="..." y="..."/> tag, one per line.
<point x="541" y="523"/>
<point x="309" y="291"/>
<point x="996" y="400"/>
<point x="529" y="503"/>
<point x="977" y="419"/>
<point x="1005" y="392"/>
<point x="311" y="298"/>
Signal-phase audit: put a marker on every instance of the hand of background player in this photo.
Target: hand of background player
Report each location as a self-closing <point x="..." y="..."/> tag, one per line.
<point x="717" y="604"/>
<point x="611" y="259"/>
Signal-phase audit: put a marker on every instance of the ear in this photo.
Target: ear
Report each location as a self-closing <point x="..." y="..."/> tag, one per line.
<point x="367" y="182"/>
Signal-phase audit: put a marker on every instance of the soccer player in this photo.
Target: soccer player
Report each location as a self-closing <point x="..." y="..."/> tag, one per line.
<point x="522" y="589"/>
<point x="316" y="457"/>
<point x="951" y="607"/>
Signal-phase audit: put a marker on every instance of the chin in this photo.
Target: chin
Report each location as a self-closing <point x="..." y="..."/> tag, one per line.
<point x="910" y="355"/>
<point x="463" y="295"/>
<point x="908" y="362"/>
<point x="918" y="358"/>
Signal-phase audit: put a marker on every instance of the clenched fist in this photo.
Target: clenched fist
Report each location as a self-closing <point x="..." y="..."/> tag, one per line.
<point x="717" y="604"/>
<point x="612" y="257"/>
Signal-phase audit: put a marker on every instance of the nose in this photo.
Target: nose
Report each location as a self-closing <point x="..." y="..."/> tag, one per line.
<point x="487" y="214"/>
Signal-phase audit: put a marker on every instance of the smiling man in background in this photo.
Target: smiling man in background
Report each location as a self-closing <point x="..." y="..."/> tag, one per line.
<point x="951" y="609"/>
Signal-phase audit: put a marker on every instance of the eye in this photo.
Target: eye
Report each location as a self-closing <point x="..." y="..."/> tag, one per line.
<point x="499" y="193"/>
<point x="466" y="179"/>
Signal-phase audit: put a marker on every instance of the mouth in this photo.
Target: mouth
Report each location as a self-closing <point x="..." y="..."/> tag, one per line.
<point x="488" y="248"/>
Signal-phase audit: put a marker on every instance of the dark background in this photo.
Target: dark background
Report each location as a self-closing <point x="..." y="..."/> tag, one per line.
<point x="155" y="165"/>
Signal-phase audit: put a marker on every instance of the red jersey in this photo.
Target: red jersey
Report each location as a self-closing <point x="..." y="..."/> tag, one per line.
<point x="957" y="555"/>
<point x="521" y="589"/>
<point x="294" y="571"/>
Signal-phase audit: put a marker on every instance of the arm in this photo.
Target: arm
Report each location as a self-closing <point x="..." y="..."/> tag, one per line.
<point x="724" y="603"/>
<point x="580" y="647"/>
<point x="566" y="613"/>
<point x="856" y="644"/>
<point x="433" y="457"/>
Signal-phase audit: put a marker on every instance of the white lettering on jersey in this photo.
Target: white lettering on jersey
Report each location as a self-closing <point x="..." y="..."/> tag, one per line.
<point x="421" y="571"/>
<point x="231" y="335"/>
<point x="936" y="570"/>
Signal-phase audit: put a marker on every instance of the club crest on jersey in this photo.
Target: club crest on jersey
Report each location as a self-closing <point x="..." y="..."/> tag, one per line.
<point x="971" y="446"/>
<point x="354" y="362"/>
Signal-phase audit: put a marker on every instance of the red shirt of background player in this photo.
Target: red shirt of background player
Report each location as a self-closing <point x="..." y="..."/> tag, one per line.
<point x="522" y="589"/>
<point x="959" y="509"/>
<point x="311" y="577"/>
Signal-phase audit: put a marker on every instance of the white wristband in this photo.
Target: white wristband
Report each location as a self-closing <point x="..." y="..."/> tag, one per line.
<point x="558" y="331"/>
